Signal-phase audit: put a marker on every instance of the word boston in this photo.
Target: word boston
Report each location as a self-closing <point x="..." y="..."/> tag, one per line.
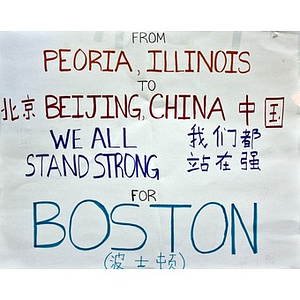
<point x="40" y="207"/>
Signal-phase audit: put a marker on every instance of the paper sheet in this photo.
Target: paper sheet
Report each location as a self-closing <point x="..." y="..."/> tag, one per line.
<point x="165" y="150"/>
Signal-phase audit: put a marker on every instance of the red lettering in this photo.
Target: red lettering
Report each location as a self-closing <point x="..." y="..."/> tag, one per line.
<point x="217" y="61"/>
<point x="125" y="62"/>
<point x="219" y="109"/>
<point x="94" y="60"/>
<point x="208" y="65"/>
<point x="51" y="106"/>
<point x="151" y="106"/>
<point x="244" y="61"/>
<point x="109" y="52"/>
<point x="232" y="54"/>
<point x="75" y="60"/>
<point x="63" y="60"/>
<point x="46" y="58"/>
<point x="189" y="52"/>
<point x="154" y="52"/>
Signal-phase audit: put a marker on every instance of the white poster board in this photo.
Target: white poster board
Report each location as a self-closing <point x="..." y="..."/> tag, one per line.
<point x="164" y="150"/>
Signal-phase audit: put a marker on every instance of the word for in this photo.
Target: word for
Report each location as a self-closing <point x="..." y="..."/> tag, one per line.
<point x="66" y="60"/>
<point x="151" y="37"/>
<point x="227" y="138"/>
<point x="190" y="61"/>
<point x="143" y="195"/>
<point x="40" y="207"/>
<point x="119" y="260"/>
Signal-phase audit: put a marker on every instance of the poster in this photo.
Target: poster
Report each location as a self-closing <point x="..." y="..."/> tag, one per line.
<point x="149" y="150"/>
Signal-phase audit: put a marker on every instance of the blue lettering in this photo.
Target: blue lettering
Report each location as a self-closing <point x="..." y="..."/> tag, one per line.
<point x="37" y="223"/>
<point x="53" y="166"/>
<point x="100" y="138"/>
<point x="225" y="230"/>
<point x="61" y="140"/>
<point x="253" y="244"/>
<point x="102" y="208"/>
<point x="30" y="164"/>
<point x="128" y="224"/>
<point x="172" y="206"/>
<point x="76" y="139"/>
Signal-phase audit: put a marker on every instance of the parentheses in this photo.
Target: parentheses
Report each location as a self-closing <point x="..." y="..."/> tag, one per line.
<point x="183" y="265"/>
<point x="105" y="260"/>
<point x="138" y="72"/>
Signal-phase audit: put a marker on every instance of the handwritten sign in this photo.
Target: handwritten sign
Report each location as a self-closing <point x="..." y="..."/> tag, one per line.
<point x="164" y="150"/>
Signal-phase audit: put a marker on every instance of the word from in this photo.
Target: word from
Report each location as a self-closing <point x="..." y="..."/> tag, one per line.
<point x="118" y="260"/>
<point x="9" y="109"/>
<point x="66" y="60"/>
<point x="40" y="207"/>
<point x="224" y="138"/>
<point x="189" y="61"/>
<point x="151" y="37"/>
